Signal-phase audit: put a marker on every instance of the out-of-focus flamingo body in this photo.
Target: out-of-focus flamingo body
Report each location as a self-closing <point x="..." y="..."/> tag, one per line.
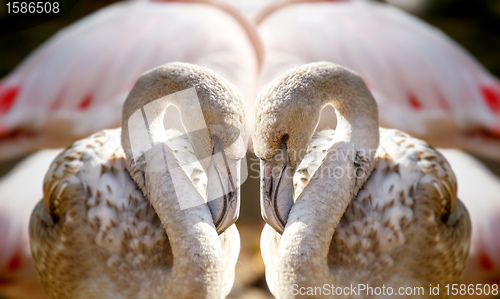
<point x="64" y="91"/>
<point x="480" y="191"/>
<point x="20" y="190"/>
<point x="424" y="83"/>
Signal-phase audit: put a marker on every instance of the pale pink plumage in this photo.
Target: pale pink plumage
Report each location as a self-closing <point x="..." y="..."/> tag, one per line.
<point x="424" y="83"/>
<point x="479" y="189"/>
<point x="20" y="191"/>
<point x="75" y="83"/>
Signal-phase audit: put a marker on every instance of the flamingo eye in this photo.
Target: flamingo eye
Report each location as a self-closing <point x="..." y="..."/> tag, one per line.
<point x="284" y="138"/>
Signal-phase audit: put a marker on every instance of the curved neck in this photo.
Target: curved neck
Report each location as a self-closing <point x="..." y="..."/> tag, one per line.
<point x="196" y="249"/>
<point x="317" y="211"/>
<point x="297" y="99"/>
<point x="144" y="111"/>
<point x="203" y="99"/>
<point x="357" y="115"/>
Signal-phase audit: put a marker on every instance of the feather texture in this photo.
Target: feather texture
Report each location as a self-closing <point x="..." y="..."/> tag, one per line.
<point x="114" y="224"/>
<point x="398" y="212"/>
<point x="98" y="212"/>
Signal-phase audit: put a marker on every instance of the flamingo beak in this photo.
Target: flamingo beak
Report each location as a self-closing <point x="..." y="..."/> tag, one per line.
<point x="276" y="190"/>
<point x="223" y="188"/>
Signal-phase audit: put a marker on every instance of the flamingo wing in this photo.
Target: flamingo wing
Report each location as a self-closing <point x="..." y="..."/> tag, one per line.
<point x="424" y="83"/>
<point x="76" y="82"/>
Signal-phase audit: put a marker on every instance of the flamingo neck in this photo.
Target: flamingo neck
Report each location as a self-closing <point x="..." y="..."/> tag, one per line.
<point x="195" y="245"/>
<point x="293" y="103"/>
<point x="314" y="217"/>
<point x="317" y="211"/>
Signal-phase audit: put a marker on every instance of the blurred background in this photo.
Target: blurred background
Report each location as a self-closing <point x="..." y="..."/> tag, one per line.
<point x="473" y="24"/>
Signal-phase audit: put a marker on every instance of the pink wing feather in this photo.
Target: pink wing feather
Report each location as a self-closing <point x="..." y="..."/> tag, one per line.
<point x="76" y="82"/>
<point x="483" y="204"/>
<point x="20" y="190"/>
<point x="424" y="83"/>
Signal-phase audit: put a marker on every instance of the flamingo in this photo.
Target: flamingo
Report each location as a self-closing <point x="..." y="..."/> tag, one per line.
<point x="56" y="95"/>
<point x="381" y="208"/>
<point x="24" y="135"/>
<point x="424" y="84"/>
<point x="112" y="221"/>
